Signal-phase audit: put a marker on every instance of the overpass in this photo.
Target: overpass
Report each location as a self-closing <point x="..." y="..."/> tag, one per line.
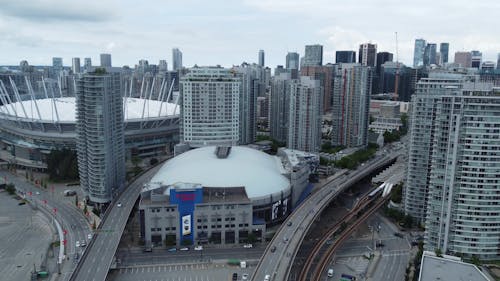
<point x="97" y="258"/>
<point x="279" y="255"/>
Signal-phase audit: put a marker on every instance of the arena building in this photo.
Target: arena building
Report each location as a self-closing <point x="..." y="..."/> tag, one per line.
<point x="222" y="195"/>
<point x="30" y="129"/>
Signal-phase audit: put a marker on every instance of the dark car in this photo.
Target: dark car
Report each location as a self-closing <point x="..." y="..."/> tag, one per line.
<point x="273" y="249"/>
<point x="398" y="234"/>
<point x="380" y="244"/>
<point x="235" y="276"/>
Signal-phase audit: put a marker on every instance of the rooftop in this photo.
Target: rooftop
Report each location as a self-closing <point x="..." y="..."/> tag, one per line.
<point x="260" y="173"/>
<point x="448" y="268"/>
<point x="63" y="109"/>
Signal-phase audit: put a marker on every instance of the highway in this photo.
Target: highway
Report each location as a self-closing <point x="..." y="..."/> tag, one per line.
<point x="97" y="259"/>
<point x="280" y="253"/>
<point x="68" y="216"/>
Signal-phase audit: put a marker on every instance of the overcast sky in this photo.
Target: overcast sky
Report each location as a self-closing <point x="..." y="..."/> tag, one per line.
<point x="230" y="32"/>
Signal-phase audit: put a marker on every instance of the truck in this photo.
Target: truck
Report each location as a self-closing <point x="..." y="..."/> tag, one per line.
<point x="243" y="264"/>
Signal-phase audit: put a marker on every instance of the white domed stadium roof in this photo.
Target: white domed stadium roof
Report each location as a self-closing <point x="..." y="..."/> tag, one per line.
<point x="258" y="172"/>
<point x="66" y="111"/>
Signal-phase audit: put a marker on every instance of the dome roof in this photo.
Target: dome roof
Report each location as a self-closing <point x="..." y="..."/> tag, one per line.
<point x="135" y="108"/>
<point x="258" y="172"/>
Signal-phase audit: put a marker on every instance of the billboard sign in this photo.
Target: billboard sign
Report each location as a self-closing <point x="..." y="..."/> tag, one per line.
<point x="186" y="225"/>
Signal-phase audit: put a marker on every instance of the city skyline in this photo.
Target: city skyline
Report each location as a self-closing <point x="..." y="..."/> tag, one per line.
<point x="39" y="30"/>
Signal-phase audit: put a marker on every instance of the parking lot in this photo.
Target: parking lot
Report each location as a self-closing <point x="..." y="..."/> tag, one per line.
<point x="187" y="272"/>
<point x="25" y="235"/>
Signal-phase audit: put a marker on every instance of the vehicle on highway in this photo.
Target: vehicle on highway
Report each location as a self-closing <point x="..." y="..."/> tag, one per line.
<point x="289" y="223"/>
<point x="172" y="250"/>
<point x="198" y="248"/>
<point x="244" y="276"/>
<point x="273" y="249"/>
<point x="77" y="244"/>
<point x="247" y="246"/>
<point x="147" y="250"/>
<point x="285" y="239"/>
<point x="347" y="277"/>
<point x="69" y="192"/>
<point x="398" y="234"/>
<point x="37" y="193"/>
<point x="235" y="276"/>
<point x="21" y="203"/>
<point x="119" y="204"/>
<point x="267" y="277"/>
<point x="184" y="249"/>
<point x="83" y="244"/>
<point x="380" y="244"/>
<point x="330" y="272"/>
<point x="89" y="236"/>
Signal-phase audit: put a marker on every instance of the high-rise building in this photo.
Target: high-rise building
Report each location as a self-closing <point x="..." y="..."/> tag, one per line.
<point x="251" y="86"/>
<point x="292" y="60"/>
<point x="453" y="165"/>
<point x="87" y="64"/>
<point x="382" y="58"/>
<point x="423" y="113"/>
<point x="498" y="61"/>
<point x="210" y="107"/>
<point x="75" y="65"/>
<point x="280" y="106"/>
<point x="464" y="59"/>
<point x="418" y="53"/>
<point x="176" y="59"/>
<point x="100" y="135"/>
<point x="351" y="103"/>
<point x="313" y="55"/>
<point x="345" y="56"/>
<point x="105" y="60"/>
<point x="430" y="54"/>
<point x="368" y="54"/>
<point x="324" y="74"/>
<point x="163" y="66"/>
<point x="304" y="130"/>
<point x="476" y="59"/>
<point x="261" y="58"/>
<point x="444" y="48"/>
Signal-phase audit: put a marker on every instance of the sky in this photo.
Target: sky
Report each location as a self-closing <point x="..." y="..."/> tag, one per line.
<point x="233" y="31"/>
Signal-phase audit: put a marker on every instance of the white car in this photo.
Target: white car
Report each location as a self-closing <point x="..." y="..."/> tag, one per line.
<point x="184" y="249"/>
<point x="89" y="236"/>
<point x="119" y="204"/>
<point x="198" y="248"/>
<point x="247" y="246"/>
<point x="267" y="277"/>
<point x="77" y="243"/>
<point x="244" y="276"/>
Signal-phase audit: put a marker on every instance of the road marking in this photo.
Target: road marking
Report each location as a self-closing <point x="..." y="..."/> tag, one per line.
<point x="143" y="270"/>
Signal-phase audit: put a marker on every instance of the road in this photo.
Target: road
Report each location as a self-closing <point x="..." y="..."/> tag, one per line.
<point x="97" y="260"/>
<point x="280" y="253"/>
<point x="68" y="216"/>
<point x="162" y="256"/>
<point x="392" y="258"/>
<point x="188" y="272"/>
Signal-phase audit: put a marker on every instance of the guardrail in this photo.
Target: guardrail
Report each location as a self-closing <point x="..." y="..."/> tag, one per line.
<point x="328" y="193"/>
<point x="105" y="215"/>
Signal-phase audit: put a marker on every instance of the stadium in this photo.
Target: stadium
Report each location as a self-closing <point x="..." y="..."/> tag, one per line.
<point x="31" y="128"/>
<point x="221" y="194"/>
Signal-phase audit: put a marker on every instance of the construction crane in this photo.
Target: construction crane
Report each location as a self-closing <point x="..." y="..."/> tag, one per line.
<point x="396" y="81"/>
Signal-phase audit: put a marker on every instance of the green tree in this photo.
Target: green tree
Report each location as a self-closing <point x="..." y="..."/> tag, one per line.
<point x="10" y="188"/>
<point x="62" y="165"/>
<point x="438" y="252"/>
<point x="251" y="238"/>
<point x="153" y="161"/>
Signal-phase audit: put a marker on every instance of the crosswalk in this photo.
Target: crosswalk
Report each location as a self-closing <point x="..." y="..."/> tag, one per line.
<point x="357" y="264"/>
<point x="167" y="268"/>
